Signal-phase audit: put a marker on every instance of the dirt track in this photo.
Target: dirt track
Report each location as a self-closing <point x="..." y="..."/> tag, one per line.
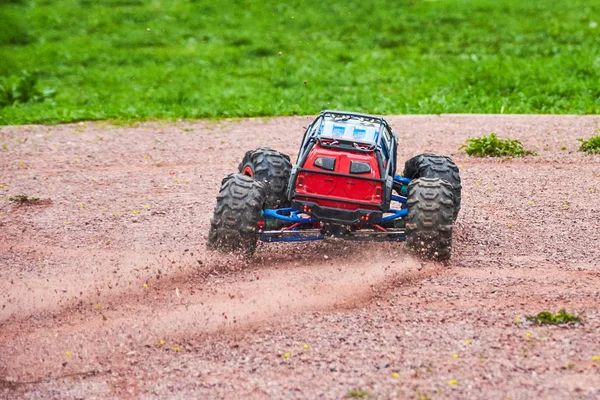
<point x="106" y="289"/>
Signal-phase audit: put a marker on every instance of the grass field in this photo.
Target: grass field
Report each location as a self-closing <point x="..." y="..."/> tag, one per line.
<point x="135" y="59"/>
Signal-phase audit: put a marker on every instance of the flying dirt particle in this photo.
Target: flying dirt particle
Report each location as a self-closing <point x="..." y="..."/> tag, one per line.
<point x="305" y="82"/>
<point x="326" y="257"/>
<point x="280" y="53"/>
<point x="177" y="292"/>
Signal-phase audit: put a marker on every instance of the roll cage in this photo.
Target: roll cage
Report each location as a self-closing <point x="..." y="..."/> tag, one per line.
<point x="384" y="143"/>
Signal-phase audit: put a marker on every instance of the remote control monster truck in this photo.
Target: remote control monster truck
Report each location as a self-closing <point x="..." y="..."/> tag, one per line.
<point x="344" y="184"/>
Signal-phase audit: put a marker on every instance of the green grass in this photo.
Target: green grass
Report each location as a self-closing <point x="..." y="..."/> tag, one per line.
<point x="357" y="394"/>
<point x="492" y="146"/>
<point x="548" y="318"/>
<point x="590" y="146"/>
<point x="22" y="89"/>
<point x="138" y="59"/>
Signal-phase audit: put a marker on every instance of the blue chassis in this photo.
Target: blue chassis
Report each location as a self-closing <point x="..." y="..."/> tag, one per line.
<point x="278" y="213"/>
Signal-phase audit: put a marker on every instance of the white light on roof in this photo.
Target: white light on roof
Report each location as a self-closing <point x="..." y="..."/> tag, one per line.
<point x="350" y="130"/>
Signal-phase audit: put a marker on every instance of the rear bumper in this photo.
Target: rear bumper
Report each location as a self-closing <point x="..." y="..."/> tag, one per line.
<point x="336" y="215"/>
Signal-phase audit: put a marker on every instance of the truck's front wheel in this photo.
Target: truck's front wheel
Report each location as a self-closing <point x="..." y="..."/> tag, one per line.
<point x="436" y="166"/>
<point x="272" y="168"/>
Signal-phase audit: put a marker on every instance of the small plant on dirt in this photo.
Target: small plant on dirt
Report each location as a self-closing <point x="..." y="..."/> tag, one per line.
<point x="23" y="199"/>
<point x="548" y="318"/>
<point x="22" y="89"/>
<point x="591" y="146"/>
<point x="357" y="394"/>
<point x="492" y="146"/>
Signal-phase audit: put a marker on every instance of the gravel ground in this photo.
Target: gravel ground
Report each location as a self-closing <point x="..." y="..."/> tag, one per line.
<point x="107" y="291"/>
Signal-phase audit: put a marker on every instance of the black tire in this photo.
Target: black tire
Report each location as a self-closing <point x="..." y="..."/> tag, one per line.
<point x="429" y="222"/>
<point x="233" y="226"/>
<point x="435" y="166"/>
<point x="271" y="167"/>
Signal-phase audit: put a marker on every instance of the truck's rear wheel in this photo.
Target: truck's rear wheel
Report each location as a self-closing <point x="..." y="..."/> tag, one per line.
<point x="271" y="167"/>
<point x="429" y="222"/>
<point x="435" y="166"/>
<point x="233" y="226"/>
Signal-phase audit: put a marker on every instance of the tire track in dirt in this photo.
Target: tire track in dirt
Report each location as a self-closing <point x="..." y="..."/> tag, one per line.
<point x="179" y="307"/>
<point x="91" y="272"/>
